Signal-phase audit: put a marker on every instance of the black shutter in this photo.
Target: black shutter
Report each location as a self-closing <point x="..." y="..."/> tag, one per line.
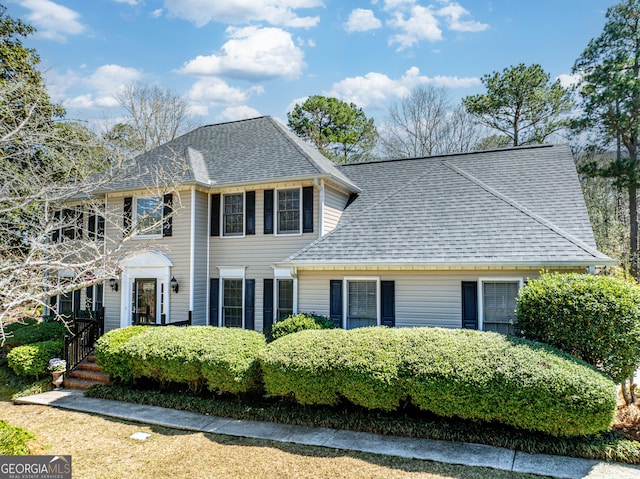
<point x="91" y="226"/>
<point x="76" y="301"/>
<point x="249" y="303"/>
<point x="89" y="300"/>
<point x="335" y="301"/>
<point x="388" y="303"/>
<point x="100" y="227"/>
<point x="127" y="214"/>
<point x="214" y="290"/>
<point x="215" y="215"/>
<point x="470" y="304"/>
<point x="268" y="212"/>
<point x="307" y="209"/>
<point x="167" y="217"/>
<point x="55" y="234"/>
<point x="250" y="218"/>
<point x="79" y="223"/>
<point x="267" y="304"/>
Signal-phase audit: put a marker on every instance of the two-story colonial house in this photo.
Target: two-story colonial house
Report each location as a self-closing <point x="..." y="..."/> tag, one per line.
<point x="268" y="227"/>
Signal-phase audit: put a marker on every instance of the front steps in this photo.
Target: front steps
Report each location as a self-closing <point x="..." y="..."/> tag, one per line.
<point x="85" y="375"/>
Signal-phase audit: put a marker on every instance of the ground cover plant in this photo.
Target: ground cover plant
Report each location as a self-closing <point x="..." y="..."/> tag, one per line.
<point x="468" y="374"/>
<point x="408" y="422"/>
<point x="14" y="441"/>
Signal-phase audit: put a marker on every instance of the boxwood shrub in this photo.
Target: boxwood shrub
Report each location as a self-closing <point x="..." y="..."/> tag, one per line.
<point x="596" y="318"/>
<point x="33" y="359"/>
<point x="222" y="359"/>
<point x="110" y="355"/>
<point x="34" y="333"/>
<point x="300" y="322"/>
<point x="468" y="374"/>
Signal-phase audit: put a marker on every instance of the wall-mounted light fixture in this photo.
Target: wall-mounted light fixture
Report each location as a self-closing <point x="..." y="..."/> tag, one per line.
<point x="175" y="287"/>
<point x="113" y="284"/>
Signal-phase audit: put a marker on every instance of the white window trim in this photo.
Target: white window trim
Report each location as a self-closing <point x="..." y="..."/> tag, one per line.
<point x="284" y="273"/>
<point x="134" y="217"/>
<point x="276" y="216"/>
<point x="244" y="215"/>
<point x="345" y="296"/>
<point x="499" y="279"/>
<point x="230" y="272"/>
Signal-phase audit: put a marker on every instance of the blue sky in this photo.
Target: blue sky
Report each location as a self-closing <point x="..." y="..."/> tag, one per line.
<point x="234" y="59"/>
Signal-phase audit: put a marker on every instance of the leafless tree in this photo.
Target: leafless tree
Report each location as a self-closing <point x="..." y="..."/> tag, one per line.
<point x="157" y="115"/>
<point x="53" y="176"/>
<point x="424" y="123"/>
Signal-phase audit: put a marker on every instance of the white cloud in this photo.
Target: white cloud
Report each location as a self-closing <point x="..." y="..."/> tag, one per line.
<point x="214" y="92"/>
<point x="157" y="13"/>
<point x="54" y="22"/>
<point x="130" y="2"/>
<point x="375" y="89"/>
<point x="241" y="112"/>
<point x="102" y="85"/>
<point x="453" y="12"/>
<point x="361" y="20"/>
<point x="568" y="81"/>
<point x="275" y="12"/>
<point x="253" y="54"/>
<point x="297" y="101"/>
<point x="418" y="24"/>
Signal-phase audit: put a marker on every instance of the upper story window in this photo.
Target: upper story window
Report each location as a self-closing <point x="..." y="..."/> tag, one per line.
<point x="149" y="216"/>
<point x="233" y="215"/>
<point x="288" y="211"/>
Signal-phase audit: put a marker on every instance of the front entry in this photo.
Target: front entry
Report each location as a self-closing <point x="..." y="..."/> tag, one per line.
<point x="145" y="296"/>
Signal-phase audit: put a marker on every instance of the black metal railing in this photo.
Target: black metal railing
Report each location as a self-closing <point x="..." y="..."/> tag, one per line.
<point x="80" y="340"/>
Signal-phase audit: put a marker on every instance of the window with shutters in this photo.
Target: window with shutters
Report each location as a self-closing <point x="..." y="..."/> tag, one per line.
<point x="284" y="299"/>
<point x="232" y="302"/>
<point x="362" y="305"/>
<point x="288" y="211"/>
<point x="233" y="214"/>
<point x="499" y="305"/>
<point x="69" y="224"/>
<point x="148" y="219"/>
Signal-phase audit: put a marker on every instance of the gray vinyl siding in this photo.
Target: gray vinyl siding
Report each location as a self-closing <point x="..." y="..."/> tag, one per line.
<point x="259" y="252"/>
<point x="421" y="298"/>
<point x="334" y="204"/>
<point x="200" y="264"/>
<point x="176" y="248"/>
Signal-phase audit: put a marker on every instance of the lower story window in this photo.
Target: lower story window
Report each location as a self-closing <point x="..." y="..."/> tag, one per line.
<point x="285" y="299"/>
<point x="499" y="306"/>
<point x="362" y="304"/>
<point x="232" y="303"/>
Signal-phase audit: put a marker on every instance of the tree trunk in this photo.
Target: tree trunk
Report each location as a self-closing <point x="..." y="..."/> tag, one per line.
<point x="633" y="231"/>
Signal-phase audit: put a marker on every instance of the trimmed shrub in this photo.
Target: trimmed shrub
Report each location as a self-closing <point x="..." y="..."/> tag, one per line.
<point x="33" y="359"/>
<point x="596" y="318"/>
<point x="14" y="441"/>
<point x="35" y="333"/>
<point x="222" y="359"/>
<point x="300" y="322"/>
<point x="110" y="355"/>
<point x="468" y="374"/>
<point x="12" y="327"/>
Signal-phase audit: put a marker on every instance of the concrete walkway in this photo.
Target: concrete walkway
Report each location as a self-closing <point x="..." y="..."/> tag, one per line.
<point x="425" y="449"/>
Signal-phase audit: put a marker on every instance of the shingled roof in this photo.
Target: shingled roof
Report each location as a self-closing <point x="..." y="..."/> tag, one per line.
<point x="239" y="152"/>
<point x="520" y="207"/>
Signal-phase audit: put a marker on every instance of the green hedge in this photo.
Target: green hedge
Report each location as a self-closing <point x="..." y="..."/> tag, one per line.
<point x="222" y="359"/>
<point x="12" y="327"/>
<point x="33" y="359"/>
<point x="596" y="318"/>
<point x="109" y="352"/>
<point x="469" y="374"/>
<point x="14" y="441"/>
<point x="300" y="322"/>
<point x="35" y="333"/>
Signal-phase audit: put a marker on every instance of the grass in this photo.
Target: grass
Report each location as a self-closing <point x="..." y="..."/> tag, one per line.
<point x="101" y="448"/>
<point x="610" y="446"/>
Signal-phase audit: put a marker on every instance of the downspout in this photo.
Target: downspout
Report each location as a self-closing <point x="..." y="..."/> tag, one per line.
<point x="208" y="311"/>
<point x="192" y="265"/>
<point x="321" y="212"/>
